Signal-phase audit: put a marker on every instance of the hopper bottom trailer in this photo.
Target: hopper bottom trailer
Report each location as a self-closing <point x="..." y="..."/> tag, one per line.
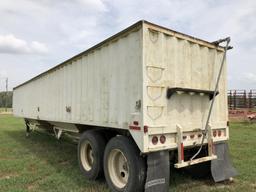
<point x="137" y="101"/>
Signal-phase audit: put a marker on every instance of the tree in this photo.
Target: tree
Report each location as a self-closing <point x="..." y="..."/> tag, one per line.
<point x="6" y="101"/>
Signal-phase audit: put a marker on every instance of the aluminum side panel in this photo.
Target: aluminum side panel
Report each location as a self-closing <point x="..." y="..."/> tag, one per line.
<point x="99" y="88"/>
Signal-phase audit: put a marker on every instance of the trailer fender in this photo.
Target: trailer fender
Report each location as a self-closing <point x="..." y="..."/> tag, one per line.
<point x="158" y="172"/>
<point x="222" y="168"/>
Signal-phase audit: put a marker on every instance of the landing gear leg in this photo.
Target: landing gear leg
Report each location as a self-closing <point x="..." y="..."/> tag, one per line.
<point x="28" y="130"/>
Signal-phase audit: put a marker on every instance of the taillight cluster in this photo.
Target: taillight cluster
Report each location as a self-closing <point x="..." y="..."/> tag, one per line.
<point x="155" y="139"/>
<point x="216" y="133"/>
<point x="192" y="136"/>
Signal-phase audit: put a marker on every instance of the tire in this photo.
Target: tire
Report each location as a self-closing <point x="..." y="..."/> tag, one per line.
<point x="90" y="154"/>
<point x="124" y="168"/>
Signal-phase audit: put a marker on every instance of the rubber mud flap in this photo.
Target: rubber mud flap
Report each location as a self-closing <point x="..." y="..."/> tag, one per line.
<point x="158" y="172"/>
<point x="222" y="168"/>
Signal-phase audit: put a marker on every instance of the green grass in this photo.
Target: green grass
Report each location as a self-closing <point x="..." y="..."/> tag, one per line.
<point x="42" y="163"/>
<point x="39" y="162"/>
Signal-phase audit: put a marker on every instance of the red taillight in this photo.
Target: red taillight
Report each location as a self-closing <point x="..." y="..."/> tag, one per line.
<point x="145" y="128"/>
<point x="154" y="140"/>
<point x="219" y="133"/>
<point x="162" y="139"/>
<point x="214" y="133"/>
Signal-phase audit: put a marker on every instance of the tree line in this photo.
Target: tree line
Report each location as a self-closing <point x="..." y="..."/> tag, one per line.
<point x="6" y="99"/>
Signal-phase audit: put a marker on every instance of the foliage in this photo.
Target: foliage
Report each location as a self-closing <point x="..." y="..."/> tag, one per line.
<point x="6" y="99"/>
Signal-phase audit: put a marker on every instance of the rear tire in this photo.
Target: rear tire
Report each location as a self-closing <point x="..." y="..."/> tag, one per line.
<point x="90" y="154"/>
<point x="124" y="168"/>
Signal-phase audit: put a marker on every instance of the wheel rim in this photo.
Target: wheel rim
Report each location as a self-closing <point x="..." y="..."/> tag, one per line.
<point x="118" y="168"/>
<point x="86" y="155"/>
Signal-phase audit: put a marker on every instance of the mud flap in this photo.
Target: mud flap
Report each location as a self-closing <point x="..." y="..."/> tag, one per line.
<point x="158" y="172"/>
<point x="222" y="168"/>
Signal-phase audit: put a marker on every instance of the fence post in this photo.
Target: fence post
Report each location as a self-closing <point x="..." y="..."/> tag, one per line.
<point x="250" y="99"/>
<point x="234" y="99"/>
<point x="244" y="97"/>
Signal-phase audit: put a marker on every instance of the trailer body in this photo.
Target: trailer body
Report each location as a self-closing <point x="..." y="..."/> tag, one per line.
<point x="147" y="80"/>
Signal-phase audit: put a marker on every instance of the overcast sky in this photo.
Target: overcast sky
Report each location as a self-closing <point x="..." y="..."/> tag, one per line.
<point x="37" y="35"/>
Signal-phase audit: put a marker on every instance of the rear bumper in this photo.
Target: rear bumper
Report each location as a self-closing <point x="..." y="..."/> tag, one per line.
<point x="195" y="161"/>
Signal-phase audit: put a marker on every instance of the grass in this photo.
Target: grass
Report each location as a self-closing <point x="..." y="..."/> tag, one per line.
<point x="2" y="109"/>
<point x="42" y="163"/>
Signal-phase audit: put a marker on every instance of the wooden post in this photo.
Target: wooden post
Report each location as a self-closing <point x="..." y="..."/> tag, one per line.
<point x="250" y="99"/>
<point x="234" y="99"/>
<point x="244" y="97"/>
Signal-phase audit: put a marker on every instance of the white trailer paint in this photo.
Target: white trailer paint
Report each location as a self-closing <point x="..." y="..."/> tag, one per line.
<point x="125" y="79"/>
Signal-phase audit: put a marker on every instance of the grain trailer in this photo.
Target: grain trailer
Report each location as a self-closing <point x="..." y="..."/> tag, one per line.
<point x="136" y="100"/>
